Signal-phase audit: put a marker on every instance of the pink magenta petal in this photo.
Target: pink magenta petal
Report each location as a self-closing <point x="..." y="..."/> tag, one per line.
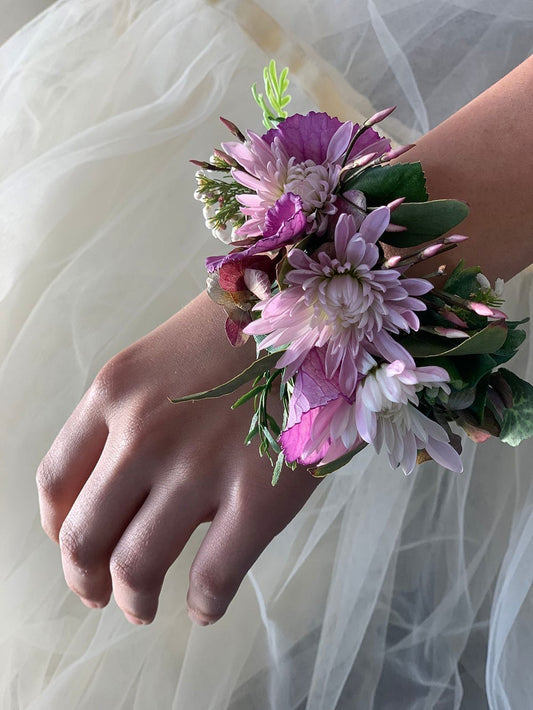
<point x="311" y="387"/>
<point x="295" y="439"/>
<point x="308" y="137"/>
<point x="285" y="219"/>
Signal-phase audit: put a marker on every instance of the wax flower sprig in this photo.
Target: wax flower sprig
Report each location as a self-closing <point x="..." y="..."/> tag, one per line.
<point x="358" y="351"/>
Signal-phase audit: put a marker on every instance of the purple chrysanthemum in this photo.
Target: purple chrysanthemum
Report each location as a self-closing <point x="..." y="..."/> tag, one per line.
<point x="336" y="299"/>
<point x="302" y="156"/>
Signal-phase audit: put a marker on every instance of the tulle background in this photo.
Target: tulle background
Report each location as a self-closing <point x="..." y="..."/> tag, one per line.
<point x="385" y="591"/>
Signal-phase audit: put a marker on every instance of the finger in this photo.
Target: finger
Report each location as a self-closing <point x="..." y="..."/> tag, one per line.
<point x="239" y="533"/>
<point x="105" y="506"/>
<point x="149" y="546"/>
<point x="68" y="464"/>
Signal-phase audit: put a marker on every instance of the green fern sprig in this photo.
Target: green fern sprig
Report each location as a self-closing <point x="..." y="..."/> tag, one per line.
<point x="275" y="88"/>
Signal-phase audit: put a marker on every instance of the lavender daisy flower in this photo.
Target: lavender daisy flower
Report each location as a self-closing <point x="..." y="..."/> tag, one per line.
<point x="302" y="156"/>
<point x="386" y="414"/>
<point x="336" y="299"/>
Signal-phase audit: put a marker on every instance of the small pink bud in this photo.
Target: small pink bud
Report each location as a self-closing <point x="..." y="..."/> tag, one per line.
<point x="453" y="317"/>
<point x="392" y="154"/>
<point x="450" y="332"/>
<point x="395" y="227"/>
<point x="379" y="116"/>
<point x="396" y="203"/>
<point x="364" y="160"/>
<point x="232" y="128"/>
<point x="431" y="250"/>
<point x="455" y="239"/>
<point x="496" y="313"/>
<point x="392" y="262"/>
<point x="201" y="164"/>
<point x="225" y="157"/>
<point x="480" y="308"/>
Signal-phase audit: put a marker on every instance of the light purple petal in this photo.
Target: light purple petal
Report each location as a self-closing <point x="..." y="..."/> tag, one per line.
<point x="311" y="387"/>
<point x="374" y="225"/>
<point x="339" y="142"/>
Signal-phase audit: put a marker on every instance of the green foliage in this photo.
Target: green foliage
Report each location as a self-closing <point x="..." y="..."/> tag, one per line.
<point x="326" y="469"/>
<point x="424" y="221"/>
<point x="462" y="281"/>
<point x="514" y="339"/>
<point x="488" y="340"/>
<point x="263" y="424"/>
<point x="257" y="368"/>
<point x="222" y="193"/>
<point x="517" y="422"/>
<point x="275" y="88"/>
<point x="383" y="183"/>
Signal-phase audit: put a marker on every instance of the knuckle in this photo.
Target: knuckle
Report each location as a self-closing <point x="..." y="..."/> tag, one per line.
<point x="113" y="378"/>
<point x="214" y="587"/>
<point x="73" y="546"/>
<point x="126" y="572"/>
<point x="46" y="478"/>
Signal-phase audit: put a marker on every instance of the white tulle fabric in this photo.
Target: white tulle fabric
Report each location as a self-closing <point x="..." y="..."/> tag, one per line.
<point x="386" y="591"/>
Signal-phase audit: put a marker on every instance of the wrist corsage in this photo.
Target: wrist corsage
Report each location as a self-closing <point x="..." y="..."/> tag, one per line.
<point x="359" y="351"/>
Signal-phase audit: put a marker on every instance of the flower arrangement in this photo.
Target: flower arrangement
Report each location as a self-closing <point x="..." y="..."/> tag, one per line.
<point x="358" y="351"/>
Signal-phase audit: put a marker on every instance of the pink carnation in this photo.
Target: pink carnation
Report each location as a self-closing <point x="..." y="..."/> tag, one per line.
<point x="302" y="156"/>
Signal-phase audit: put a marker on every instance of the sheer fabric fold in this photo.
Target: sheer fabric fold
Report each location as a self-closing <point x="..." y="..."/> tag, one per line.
<point x="385" y="591"/>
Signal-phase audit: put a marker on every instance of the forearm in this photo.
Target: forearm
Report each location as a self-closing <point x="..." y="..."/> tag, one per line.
<point x="483" y="154"/>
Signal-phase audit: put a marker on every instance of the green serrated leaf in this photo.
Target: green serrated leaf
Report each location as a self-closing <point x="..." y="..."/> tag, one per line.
<point x="517" y="422"/>
<point x="384" y="183"/>
<point x="326" y="469"/>
<point x="424" y="221"/>
<point x="259" y="366"/>
<point x="277" y="468"/>
<point x="488" y="340"/>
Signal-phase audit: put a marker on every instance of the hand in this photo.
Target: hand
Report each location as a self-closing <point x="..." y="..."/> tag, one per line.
<point x="131" y="475"/>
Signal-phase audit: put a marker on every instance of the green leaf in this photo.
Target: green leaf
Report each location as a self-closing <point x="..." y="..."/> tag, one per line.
<point x="326" y="469"/>
<point x="478" y="405"/>
<point x="268" y="436"/>
<point x="249" y="395"/>
<point x="277" y="468"/>
<point x="515" y="338"/>
<point x="275" y="89"/>
<point x="254" y="431"/>
<point x="462" y="281"/>
<point x="424" y="221"/>
<point x="258" y="367"/>
<point x="384" y="183"/>
<point x="517" y="422"/>
<point x="488" y="340"/>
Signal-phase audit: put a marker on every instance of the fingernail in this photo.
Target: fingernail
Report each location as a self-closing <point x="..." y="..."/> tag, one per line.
<point x="91" y="604"/>
<point x="135" y="619"/>
<point x="199" y="618"/>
